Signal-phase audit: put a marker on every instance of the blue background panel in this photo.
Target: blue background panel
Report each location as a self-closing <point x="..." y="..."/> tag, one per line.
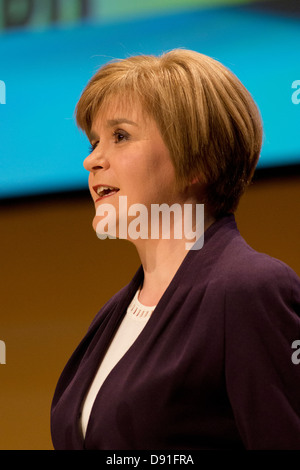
<point x="45" y="70"/>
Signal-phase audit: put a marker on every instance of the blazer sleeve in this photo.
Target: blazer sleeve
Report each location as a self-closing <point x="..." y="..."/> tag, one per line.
<point x="262" y="309"/>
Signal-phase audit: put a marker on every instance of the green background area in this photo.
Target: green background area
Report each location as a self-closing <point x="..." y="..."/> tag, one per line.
<point x="69" y="11"/>
<point x="108" y="9"/>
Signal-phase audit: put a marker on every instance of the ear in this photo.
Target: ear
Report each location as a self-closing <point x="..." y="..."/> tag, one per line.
<point x="196" y="185"/>
<point x="195" y="180"/>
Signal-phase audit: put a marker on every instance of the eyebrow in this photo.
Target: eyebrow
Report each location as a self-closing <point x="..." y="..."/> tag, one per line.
<point x="111" y="123"/>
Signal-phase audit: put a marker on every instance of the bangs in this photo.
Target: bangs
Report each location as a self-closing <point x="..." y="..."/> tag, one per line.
<point x="120" y="89"/>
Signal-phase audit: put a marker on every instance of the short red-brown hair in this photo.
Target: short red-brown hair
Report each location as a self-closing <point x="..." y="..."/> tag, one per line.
<point x="207" y="118"/>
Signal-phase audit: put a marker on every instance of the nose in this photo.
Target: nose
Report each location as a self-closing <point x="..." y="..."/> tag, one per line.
<point x="96" y="160"/>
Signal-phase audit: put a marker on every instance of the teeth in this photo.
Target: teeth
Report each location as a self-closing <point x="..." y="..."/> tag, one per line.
<point x="101" y="190"/>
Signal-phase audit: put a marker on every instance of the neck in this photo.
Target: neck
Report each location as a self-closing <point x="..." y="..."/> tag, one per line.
<point x="160" y="260"/>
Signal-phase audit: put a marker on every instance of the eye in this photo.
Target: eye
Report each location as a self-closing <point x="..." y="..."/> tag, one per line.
<point x="93" y="146"/>
<point x="120" y="136"/>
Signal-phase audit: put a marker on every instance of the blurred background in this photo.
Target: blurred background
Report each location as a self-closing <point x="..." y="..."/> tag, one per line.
<point x="55" y="272"/>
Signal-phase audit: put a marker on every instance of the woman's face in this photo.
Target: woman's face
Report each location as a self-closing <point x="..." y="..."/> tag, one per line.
<point x="129" y="158"/>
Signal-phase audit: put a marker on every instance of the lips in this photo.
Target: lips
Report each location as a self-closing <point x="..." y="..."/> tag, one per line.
<point x="104" y="191"/>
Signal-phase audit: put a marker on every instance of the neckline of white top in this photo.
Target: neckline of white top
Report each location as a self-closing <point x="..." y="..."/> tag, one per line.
<point x="138" y="311"/>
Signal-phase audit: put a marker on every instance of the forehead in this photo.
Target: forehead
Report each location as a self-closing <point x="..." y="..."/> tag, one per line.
<point x="117" y="111"/>
<point x="116" y="107"/>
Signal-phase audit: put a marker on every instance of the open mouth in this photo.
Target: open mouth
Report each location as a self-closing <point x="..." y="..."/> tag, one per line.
<point x="104" y="191"/>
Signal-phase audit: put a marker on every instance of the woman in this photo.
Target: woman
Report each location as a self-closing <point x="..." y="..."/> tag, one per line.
<point x="195" y="352"/>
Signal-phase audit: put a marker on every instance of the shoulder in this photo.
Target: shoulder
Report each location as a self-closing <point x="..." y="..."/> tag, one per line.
<point x="255" y="272"/>
<point x="234" y="265"/>
<point x="250" y="286"/>
<point x="259" y="290"/>
<point x="261" y="323"/>
<point x="249" y="269"/>
<point x="240" y="277"/>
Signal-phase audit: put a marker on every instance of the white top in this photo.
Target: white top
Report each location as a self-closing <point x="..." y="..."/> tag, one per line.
<point x="133" y="322"/>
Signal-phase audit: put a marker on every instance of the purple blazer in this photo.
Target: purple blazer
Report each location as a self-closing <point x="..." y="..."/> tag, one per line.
<point x="212" y="369"/>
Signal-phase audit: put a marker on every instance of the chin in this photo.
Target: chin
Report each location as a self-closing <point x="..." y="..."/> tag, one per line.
<point x="94" y="224"/>
<point x="105" y="226"/>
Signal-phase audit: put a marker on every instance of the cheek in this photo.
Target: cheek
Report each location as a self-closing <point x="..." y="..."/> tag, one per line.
<point x="90" y="184"/>
<point x="147" y="174"/>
